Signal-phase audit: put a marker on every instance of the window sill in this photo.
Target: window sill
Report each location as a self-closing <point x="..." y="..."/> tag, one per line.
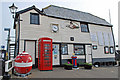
<point x="107" y="53"/>
<point x="34" y="24"/>
<point x="85" y="32"/>
<point x="64" y="54"/>
<point x="111" y="53"/>
<point x="79" y="54"/>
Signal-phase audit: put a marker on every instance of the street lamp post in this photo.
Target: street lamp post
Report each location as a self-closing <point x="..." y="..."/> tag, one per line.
<point x="8" y="42"/>
<point x="13" y="10"/>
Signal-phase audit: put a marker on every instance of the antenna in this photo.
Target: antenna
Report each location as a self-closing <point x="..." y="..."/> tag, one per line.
<point x="109" y="16"/>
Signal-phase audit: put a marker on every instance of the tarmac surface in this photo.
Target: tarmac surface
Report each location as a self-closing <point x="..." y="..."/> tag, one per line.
<point x="60" y="72"/>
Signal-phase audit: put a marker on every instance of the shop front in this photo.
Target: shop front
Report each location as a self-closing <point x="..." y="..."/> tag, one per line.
<point x="62" y="53"/>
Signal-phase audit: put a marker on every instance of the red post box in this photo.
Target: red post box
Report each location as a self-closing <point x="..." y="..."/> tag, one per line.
<point x="45" y="54"/>
<point x="74" y="61"/>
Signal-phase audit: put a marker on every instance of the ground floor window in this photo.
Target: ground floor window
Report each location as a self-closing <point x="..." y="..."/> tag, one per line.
<point x="106" y="49"/>
<point x="111" y="50"/>
<point x="64" y="49"/>
<point x="79" y="49"/>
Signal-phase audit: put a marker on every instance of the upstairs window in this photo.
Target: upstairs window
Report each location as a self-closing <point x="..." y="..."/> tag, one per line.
<point x="84" y="27"/>
<point x="34" y="18"/>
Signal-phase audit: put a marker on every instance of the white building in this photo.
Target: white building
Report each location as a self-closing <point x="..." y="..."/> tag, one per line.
<point x="88" y="36"/>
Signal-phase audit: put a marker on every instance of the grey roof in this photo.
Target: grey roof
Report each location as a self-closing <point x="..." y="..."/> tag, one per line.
<point x="71" y="14"/>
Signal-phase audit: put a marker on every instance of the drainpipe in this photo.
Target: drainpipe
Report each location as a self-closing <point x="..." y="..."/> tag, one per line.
<point x="18" y="36"/>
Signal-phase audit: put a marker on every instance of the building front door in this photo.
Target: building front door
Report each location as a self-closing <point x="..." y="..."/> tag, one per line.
<point x="88" y="54"/>
<point x="56" y="53"/>
<point x="30" y="48"/>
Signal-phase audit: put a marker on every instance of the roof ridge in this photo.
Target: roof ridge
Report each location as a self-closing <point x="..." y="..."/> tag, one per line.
<point x="26" y="8"/>
<point x="68" y="8"/>
<point x="29" y="8"/>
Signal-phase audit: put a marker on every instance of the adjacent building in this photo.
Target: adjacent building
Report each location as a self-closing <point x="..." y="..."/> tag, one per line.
<point x="88" y="36"/>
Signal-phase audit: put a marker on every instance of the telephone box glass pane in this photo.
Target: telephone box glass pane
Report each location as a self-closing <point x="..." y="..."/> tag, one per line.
<point x="47" y="55"/>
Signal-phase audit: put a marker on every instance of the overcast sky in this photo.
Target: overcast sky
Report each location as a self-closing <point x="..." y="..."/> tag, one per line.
<point x="99" y="8"/>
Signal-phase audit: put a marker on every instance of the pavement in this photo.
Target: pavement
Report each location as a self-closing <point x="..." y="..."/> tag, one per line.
<point x="60" y="72"/>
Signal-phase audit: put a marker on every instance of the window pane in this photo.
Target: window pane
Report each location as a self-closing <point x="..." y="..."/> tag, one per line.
<point x="78" y="49"/>
<point x="64" y="49"/>
<point x="34" y="19"/>
<point x="79" y="46"/>
<point x="111" y="50"/>
<point x="106" y="50"/>
<point x="84" y="28"/>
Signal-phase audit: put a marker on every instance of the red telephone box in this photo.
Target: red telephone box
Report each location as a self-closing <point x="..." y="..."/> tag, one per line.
<point x="45" y="54"/>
